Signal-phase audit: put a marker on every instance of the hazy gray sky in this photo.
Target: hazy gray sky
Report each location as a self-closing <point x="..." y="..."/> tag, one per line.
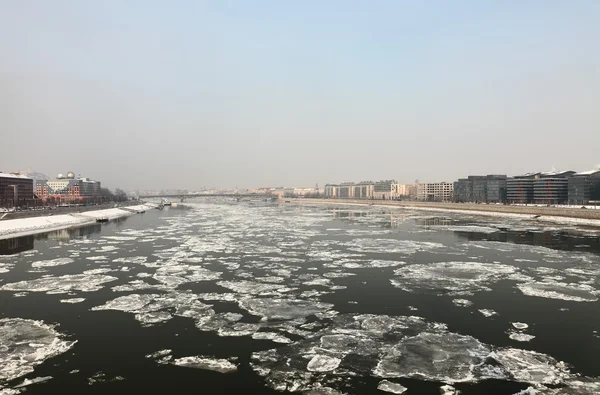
<point x="166" y="94"/>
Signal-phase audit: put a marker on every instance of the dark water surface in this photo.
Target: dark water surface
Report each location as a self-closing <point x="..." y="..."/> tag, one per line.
<point x="252" y="298"/>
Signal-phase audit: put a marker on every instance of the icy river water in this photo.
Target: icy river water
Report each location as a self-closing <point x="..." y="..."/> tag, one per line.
<point x="264" y="298"/>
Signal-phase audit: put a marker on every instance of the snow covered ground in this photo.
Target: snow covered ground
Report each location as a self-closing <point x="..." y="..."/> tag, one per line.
<point x="27" y="226"/>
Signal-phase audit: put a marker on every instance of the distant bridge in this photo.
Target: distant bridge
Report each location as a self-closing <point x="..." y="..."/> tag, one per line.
<point x="226" y="195"/>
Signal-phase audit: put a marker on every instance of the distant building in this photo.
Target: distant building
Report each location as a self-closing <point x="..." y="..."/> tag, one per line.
<point x="403" y="191"/>
<point x="350" y="190"/>
<point x="496" y="188"/>
<point x="584" y="188"/>
<point x="519" y="189"/>
<point x="479" y="185"/>
<point x="552" y="188"/>
<point x="463" y="190"/>
<point x="16" y="190"/>
<point x="68" y="189"/>
<point x="383" y="189"/>
<point x="279" y="192"/>
<point x="481" y="189"/>
<point x="435" y="192"/>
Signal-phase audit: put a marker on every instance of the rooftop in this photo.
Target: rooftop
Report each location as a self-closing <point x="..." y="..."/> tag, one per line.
<point x="8" y="175"/>
<point x="587" y="173"/>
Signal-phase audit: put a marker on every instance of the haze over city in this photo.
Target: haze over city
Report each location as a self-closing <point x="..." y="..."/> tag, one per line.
<point x="266" y="93"/>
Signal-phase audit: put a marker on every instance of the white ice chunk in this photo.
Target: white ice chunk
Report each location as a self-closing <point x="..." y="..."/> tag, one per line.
<point x="520" y="325"/>
<point x="52" y="262"/>
<point x="25" y="344"/>
<point x="462" y="302"/>
<point x="323" y="363"/>
<point x="61" y="284"/>
<point x="198" y="362"/>
<point x="562" y="291"/>
<point x="520" y="337"/>
<point x="487" y="312"/>
<point x="72" y="300"/>
<point x="388" y="386"/>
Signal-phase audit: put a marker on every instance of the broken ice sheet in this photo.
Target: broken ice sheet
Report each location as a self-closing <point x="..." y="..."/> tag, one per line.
<point x="562" y="291"/>
<point x="72" y="300"/>
<point x="154" y="308"/>
<point x="462" y="302"/>
<point x="519" y="336"/>
<point x="487" y="312"/>
<point x="399" y="347"/>
<point x="61" y="284"/>
<point x="323" y="363"/>
<point x="388" y="386"/>
<point x="276" y="337"/>
<point x="453" y="278"/>
<point x="52" y="262"/>
<point x="199" y="362"/>
<point x="283" y="309"/>
<point x="25" y="344"/>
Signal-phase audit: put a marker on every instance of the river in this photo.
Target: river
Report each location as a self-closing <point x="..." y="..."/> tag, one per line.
<point x="260" y="298"/>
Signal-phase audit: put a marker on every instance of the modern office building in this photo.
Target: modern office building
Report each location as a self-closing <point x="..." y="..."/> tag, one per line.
<point x="496" y="188"/>
<point x="383" y="189"/>
<point x="479" y="185"/>
<point x="552" y="187"/>
<point x="435" y="192"/>
<point x="16" y="190"/>
<point x="519" y="189"/>
<point x="584" y="188"/>
<point x="463" y="190"/>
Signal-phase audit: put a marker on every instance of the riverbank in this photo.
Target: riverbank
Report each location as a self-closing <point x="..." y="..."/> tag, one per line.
<point x="41" y="224"/>
<point x="579" y="216"/>
<point x="65" y="210"/>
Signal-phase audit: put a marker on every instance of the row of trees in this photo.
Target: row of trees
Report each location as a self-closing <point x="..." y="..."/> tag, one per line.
<point x="118" y="196"/>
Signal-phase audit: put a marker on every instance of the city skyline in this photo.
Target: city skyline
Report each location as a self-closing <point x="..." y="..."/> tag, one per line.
<point x="229" y="94"/>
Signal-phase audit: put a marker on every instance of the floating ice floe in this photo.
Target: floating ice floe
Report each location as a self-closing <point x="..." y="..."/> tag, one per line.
<point x="323" y="363"/>
<point x="399" y="347"/>
<point x="253" y="288"/>
<point x="72" y="300"/>
<point x="35" y="380"/>
<point x="151" y="309"/>
<point x="465" y="228"/>
<point x="487" y="312"/>
<point x="462" y="302"/>
<point x="283" y="309"/>
<point x="61" y="284"/>
<point x="562" y="291"/>
<point x="198" y="362"/>
<point x="97" y="258"/>
<point x="453" y="278"/>
<point x="52" y="262"/>
<point x="520" y="325"/>
<point x="388" y="386"/>
<point x="276" y="337"/>
<point x="407" y="247"/>
<point x="140" y="260"/>
<point x="448" y="390"/>
<point x="520" y="337"/>
<point x="26" y="344"/>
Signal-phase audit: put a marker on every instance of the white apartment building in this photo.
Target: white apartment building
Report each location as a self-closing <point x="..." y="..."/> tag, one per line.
<point x="435" y="192"/>
<point x="400" y="191"/>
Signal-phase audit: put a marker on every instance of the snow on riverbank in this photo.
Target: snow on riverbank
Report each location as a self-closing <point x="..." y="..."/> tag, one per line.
<point x="28" y="226"/>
